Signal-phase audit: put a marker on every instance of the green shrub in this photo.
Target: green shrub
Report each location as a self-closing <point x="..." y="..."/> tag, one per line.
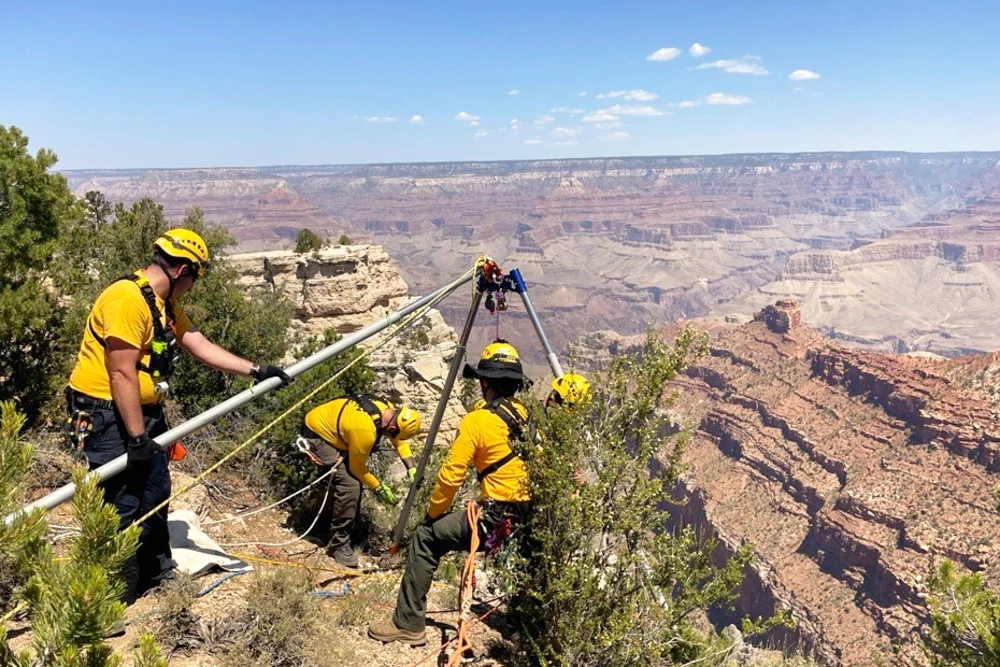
<point x="606" y="580"/>
<point x="307" y="241"/>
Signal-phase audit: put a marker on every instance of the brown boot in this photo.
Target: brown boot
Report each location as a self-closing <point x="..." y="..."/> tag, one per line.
<point x="386" y="631"/>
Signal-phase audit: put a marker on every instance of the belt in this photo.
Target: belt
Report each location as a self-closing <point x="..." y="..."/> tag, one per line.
<point x="84" y="402"/>
<point x="89" y="403"/>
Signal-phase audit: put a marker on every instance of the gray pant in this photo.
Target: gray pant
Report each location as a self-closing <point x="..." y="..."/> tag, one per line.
<point x="346" y="488"/>
<point x="430" y="543"/>
<point x="346" y="505"/>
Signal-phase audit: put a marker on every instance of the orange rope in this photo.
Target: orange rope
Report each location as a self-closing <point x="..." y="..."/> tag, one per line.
<point x="466" y="586"/>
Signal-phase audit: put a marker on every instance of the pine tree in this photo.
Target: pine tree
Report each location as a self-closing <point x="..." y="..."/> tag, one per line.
<point x="73" y="602"/>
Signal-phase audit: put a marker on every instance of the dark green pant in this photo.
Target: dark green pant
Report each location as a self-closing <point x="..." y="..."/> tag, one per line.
<point x="346" y="505"/>
<point x="430" y="543"/>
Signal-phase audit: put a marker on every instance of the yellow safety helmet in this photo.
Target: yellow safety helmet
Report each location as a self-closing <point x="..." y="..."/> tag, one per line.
<point x="187" y="245"/>
<point x="570" y="388"/>
<point x="407" y="420"/>
<point x="499" y="360"/>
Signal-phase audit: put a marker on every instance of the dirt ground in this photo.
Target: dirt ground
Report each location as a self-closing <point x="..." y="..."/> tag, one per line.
<point x="342" y="632"/>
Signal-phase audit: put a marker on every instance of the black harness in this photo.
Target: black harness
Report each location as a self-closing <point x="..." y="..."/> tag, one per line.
<point x="367" y="404"/>
<point x="163" y="347"/>
<point x="519" y="429"/>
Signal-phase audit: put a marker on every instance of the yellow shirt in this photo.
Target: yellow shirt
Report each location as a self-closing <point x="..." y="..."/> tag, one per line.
<point x="482" y="440"/>
<point x="356" y="436"/>
<point x="120" y="312"/>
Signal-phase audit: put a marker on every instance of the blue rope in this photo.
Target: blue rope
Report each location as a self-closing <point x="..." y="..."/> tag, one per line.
<point x="218" y="582"/>
<point x="344" y="590"/>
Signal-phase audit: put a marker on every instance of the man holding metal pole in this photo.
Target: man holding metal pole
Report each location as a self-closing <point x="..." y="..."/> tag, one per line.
<point x="115" y="393"/>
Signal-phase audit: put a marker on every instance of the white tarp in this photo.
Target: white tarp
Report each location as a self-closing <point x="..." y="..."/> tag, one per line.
<point x="194" y="551"/>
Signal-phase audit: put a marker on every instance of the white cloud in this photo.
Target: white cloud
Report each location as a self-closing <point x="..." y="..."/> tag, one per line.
<point x="803" y="75"/>
<point x="418" y="120"/>
<point x="474" y="123"/>
<point x="633" y="110"/>
<point x="666" y="53"/>
<point x="697" y="50"/>
<point x="684" y="104"/>
<point x="608" y="126"/>
<point x="798" y="88"/>
<point x="532" y="142"/>
<point x="479" y="134"/>
<point x="618" y="136"/>
<point x="582" y="93"/>
<point x="514" y="91"/>
<point x="566" y="132"/>
<point x="570" y="110"/>
<point x="724" y="98"/>
<point x="379" y="119"/>
<point x="601" y="116"/>
<point x="544" y="119"/>
<point x="467" y="117"/>
<point x="637" y="95"/>
<point x="566" y="143"/>
<point x="744" y="65"/>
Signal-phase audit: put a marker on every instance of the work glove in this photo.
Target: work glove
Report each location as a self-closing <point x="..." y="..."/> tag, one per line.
<point x="140" y="448"/>
<point x="385" y="494"/>
<point x="411" y="474"/>
<point x="261" y="373"/>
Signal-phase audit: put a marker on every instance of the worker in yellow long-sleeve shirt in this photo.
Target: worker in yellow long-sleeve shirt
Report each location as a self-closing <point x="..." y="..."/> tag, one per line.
<point x="343" y="433"/>
<point x="488" y="439"/>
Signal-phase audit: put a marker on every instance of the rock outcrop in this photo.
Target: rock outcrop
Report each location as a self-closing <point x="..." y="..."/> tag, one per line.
<point x="345" y="288"/>
<point x="851" y="472"/>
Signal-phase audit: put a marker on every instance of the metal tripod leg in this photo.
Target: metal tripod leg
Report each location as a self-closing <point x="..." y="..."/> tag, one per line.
<point x="449" y="384"/>
<point x="521" y="288"/>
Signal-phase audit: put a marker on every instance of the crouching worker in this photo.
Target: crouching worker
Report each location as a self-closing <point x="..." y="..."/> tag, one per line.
<point x="343" y="433"/>
<point x="115" y="393"/>
<point x="486" y="439"/>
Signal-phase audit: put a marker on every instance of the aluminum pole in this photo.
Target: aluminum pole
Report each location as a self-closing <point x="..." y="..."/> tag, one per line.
<point x="449" y="384"/>
<point x="112" y="468"/>
<point x="521" y="288"/>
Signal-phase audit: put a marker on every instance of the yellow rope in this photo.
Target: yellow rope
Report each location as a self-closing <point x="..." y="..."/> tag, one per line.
<point x="420" y="312"/>
<point x="303" y="566"/>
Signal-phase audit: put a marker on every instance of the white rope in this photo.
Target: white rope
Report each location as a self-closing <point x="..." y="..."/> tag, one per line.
<point x="300" y="537"/>
<point x="275" y="504"/>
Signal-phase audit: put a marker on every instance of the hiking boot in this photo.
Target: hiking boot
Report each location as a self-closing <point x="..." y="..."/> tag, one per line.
<point x="387" y="631"/>
<point x="345" y="556"/>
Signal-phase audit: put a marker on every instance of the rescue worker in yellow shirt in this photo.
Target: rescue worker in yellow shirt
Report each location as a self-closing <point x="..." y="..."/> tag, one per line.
<point x="344" y="432"/>
<point x="486" y="439"/>
<point x="131" y="341"/>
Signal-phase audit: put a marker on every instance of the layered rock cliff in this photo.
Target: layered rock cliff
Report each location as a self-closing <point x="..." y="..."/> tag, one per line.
<point x="346" y="288"/>
<point x="850" y="472"/>
<point x="616" y="242"/>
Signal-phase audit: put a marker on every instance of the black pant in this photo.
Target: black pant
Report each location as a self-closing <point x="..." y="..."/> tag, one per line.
<point x="136" y="490"/>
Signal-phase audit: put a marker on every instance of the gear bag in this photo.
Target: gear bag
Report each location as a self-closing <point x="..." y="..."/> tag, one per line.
<point x="163" y="353"/>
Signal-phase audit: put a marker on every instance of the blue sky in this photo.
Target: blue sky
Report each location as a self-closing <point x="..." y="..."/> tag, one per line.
<point x="190" y="84"/>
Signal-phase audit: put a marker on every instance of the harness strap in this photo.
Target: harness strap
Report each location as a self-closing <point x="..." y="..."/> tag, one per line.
<point x="504" y="409"/>
<point x="367" y="405"/>
<point x="159" y="332"/>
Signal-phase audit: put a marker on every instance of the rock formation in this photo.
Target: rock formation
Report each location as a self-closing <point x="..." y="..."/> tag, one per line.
<point x="345" y="288"/>
<point x="616" y="243"/>
<point x="851" y="473"/>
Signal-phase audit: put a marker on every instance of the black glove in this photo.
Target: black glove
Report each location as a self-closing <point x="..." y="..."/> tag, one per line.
<point x="140" y="448"/>
<point x="261" y="373"/>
